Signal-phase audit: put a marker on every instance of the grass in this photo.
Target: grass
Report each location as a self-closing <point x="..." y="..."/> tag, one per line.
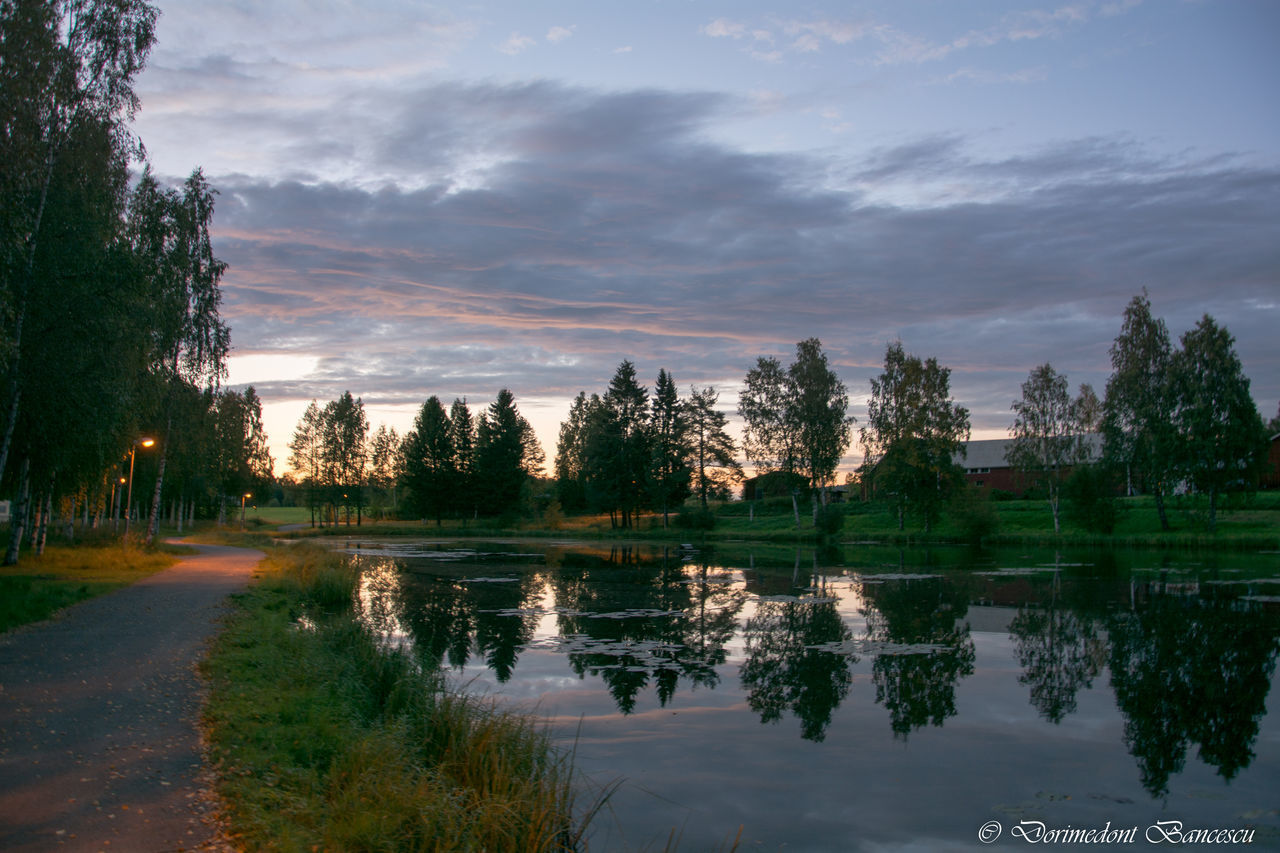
<point x="325" y="740"/>
<point x="39" y="586"/>
<point x="1243" y="523"/>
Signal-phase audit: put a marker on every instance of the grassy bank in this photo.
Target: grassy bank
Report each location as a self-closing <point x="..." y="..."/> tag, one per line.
<point x="324" y="740"/>
<point x="39" y="586"/>
<point x="1251" y="522"/>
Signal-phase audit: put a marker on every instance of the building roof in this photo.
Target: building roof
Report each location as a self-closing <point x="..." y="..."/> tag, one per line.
<point x="990" y="453"/>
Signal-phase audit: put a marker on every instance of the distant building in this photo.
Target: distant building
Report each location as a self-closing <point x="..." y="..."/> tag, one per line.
<point x="1271" y="473"/>
<point x="779" y="484"/>
<point x="986" y="467"/>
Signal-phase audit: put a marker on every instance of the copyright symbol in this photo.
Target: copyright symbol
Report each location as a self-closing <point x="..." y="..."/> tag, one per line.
<point x="990" y="831"/>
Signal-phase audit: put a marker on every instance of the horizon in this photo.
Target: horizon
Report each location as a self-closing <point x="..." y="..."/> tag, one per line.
<point x="449" y="200"/>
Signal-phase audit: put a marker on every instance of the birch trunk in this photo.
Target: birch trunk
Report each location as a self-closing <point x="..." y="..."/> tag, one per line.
<point x="19" y="514"/>
<point x="154" y="521"/>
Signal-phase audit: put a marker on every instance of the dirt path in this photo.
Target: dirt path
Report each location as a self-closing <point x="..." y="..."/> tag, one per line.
<point x="99" y="747"/>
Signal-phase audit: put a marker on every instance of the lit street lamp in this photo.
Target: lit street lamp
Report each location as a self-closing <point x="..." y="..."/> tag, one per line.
<point x="242" y="500"/>
<point x="128" y="507"/>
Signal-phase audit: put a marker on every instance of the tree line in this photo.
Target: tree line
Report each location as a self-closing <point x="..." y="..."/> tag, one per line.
<point x="110" y="331"/>
<point x="449" y="463"/>
<point x="1169" y="419"/>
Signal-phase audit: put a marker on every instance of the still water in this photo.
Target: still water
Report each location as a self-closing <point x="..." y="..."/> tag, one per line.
<point x="867" y="698"/>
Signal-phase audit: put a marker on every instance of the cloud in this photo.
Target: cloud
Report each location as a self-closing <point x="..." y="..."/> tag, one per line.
<point x="559" y="34"/>
<point x="516" y="43"/>
<point x="538" y="234"/>
<point x="899" y="46"/>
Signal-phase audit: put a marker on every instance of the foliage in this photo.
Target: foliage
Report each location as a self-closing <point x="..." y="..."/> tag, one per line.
<point x="796" y="421"/>
<point x="1221" y="442"/>
<point x="914" y="431"/>
<point x="384" y="461"/>
<point x="695" y="518"/>
<point x="429" y="463"/>
<point x="713" y="453"/>
<point x="763" y="405"/>
<point x="507" y="454"/>
<point x="829" y="519"/>
<point x="669" y="473"/>
<point x="973" y="514"/>
<point x="1090" y="499"/>
<point x="818" y="412"/>
<point x="344" y="431"/>
<point x="1137" y="412"/>
<point x="67" y="71"/>
<point x="1047" y="435"/>
<point x="571" y="453"/>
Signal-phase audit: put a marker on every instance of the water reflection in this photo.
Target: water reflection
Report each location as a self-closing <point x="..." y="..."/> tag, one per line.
<point x="785" y="672"/>
<point x="919" y="689"/>
<point x="1189" y="652"/>
<point x="1190" y="671"/>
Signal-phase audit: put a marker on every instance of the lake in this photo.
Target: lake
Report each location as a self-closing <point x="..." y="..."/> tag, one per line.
<point x="868" y="698"/>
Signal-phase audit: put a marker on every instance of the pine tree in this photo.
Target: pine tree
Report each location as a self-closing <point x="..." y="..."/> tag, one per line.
<point x="715" y="466"/>
<point x="669" y="474"/>
<point x="430" y="463"/>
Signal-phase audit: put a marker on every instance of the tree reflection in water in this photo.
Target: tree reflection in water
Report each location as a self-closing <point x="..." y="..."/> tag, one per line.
<point x="613" y="605"/>
<point x="1191" y="670"/>
<point x="918" y="689"/>
<point x="1060" y="652"/>
<point x="784" y="672"/>
<point x="1189" y="665"/>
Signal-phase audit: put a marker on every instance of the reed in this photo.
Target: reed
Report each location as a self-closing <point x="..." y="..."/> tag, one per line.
<point x="325" y="739"/>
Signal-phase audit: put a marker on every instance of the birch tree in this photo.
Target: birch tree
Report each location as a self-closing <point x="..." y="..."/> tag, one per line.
<point x="63" y="66"/>
<point x="1047" y="439"/>
<point x="1221" y="439"/>
<point x="172" y="232"/>
<point x="1137" y="408"/>
<point x="914" y="431"/>
<point x="306" y="455"/>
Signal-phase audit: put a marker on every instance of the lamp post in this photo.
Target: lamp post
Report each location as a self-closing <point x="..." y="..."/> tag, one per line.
<point x="128" y="506"/>
<point x="243" y="498"/>
<point x="115" y="503"/>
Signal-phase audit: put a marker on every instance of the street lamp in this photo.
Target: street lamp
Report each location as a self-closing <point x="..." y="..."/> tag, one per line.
<point x="242" y="500"/>
<point x="116" y="492"/>
<point x="128" y="506"/>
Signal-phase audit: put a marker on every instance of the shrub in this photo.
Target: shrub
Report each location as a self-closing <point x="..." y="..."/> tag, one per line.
<point x="1089" y="495"/>
<point x="695" y="518"/>
<point x="830" y="519"/>
<point x="973" y="513"/>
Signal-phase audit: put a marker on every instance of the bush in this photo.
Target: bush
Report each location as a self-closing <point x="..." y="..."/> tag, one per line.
<point x="973" y="513"/>
<point x="695" y="518"/>
<point x="1089" y="494"/>
<point x="830" y="519"/>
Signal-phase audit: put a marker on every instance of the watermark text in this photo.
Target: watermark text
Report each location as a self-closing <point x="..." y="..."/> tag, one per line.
<point x="1161" y="832"/>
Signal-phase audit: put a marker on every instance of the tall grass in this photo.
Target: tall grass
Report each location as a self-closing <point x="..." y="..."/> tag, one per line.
<point x="324" y="739"/>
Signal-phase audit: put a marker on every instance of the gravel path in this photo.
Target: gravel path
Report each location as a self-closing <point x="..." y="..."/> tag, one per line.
<point x="99" y="748"/>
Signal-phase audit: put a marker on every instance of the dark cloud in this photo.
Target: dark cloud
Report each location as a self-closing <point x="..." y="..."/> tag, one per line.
<point x="543" y="233"/>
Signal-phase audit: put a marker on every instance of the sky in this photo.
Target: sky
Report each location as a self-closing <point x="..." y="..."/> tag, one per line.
<point x="422" y="199"/>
